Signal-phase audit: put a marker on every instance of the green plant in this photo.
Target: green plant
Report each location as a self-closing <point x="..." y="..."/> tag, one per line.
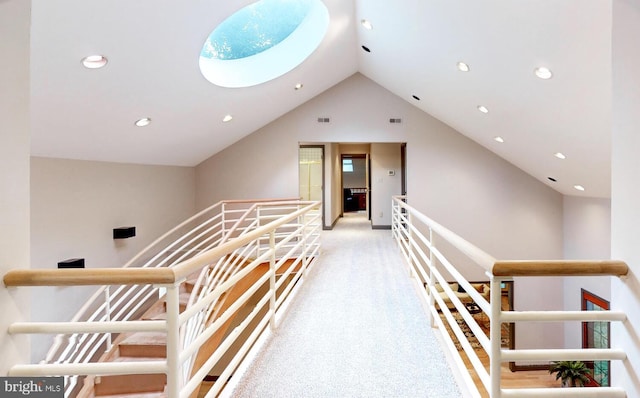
<point x="572" y="373"/>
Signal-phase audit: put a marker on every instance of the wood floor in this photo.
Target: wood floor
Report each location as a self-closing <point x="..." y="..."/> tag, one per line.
<point x="520" y="379"/>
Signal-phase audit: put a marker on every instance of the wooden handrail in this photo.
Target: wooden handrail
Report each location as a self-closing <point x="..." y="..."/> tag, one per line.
<point x="560" y="268"/>
<point x="80" y="277"/>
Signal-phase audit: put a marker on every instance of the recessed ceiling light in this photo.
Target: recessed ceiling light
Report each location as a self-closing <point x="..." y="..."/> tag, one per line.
<point x="227" y="118"/>
<point x="483" y="109"/>
<point x="579" y="187"/>
<point x="365" y="48"/>
<point x="415" y="97"/>
<point x="298" y="86"/>
<point x="559" y="155"/>
<point x="498" y="139"/>
<point x="463" y="67"/>
<point x="94" y="61"/>
<point x="367" y="24"/>
<point x="145" y="121"/>
<point x="552" y="179"/>
<point x="543" y="73"/>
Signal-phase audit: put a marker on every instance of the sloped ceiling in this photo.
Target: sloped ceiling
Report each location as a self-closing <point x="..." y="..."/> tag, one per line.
<point x="153" y="48"/>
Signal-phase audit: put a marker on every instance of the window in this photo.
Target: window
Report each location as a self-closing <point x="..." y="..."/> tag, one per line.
<point x="347" y="165"/>
<point x="596" y="335"/>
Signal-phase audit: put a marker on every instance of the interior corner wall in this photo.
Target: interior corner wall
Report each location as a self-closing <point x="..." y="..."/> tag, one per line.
<point x="261" y="165"/>
<point x="74" y="207"/>
<point x="452" y="179"/>
<point x="15" y="18"/>
<point x="385" y="181"/>
<point x="587" y="235"/>
<point x="625" y="191"/>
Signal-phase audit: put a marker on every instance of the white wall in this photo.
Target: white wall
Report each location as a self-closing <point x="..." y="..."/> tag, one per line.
<point x="625" y="190"/>
<point x="258" y="166"/>
<point x="384" y="158"/>
<point x="15" y="17"/>
<point x="587" y="235"/>
<point x="452" y="179"/>
<point x="74" y="207"/>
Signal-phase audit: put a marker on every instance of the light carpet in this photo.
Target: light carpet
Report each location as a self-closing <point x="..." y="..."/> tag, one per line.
<point x="355" y="329"/>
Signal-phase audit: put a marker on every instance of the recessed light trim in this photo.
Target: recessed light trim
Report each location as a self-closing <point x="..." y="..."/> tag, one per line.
<point x="94" y="61"/>
<point x="365" y="48"/>
<point x="227" y="118"/>
<point x="483" y="109"/>
<point x="560" y="155"/>
<point x="415" y="97"/>
<point x="462" y="67"/>
<point x="145" y="121"/>
<point x="498" y="139"/>
<point x="579" y="187"/>
<point x="552" y="179"/>
<point x="298" y="86"/>
<point x="543" y="73"/>
<point x="366" y="24"/>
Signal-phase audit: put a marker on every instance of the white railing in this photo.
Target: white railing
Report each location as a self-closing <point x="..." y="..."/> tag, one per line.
<point x="224" y="231"/>
<point x="421" y="241"/>
<point x="198" y="233"/>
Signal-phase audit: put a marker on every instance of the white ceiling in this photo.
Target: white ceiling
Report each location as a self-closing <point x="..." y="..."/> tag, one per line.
<point x="153" y="48"/>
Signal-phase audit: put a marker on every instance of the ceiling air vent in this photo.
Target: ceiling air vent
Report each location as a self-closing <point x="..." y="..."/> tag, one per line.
<point x="395" y="120"/>
<point x="323" y="120"/>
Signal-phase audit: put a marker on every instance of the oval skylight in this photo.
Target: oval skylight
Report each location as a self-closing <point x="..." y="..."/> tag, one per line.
<point x="263" y="41"/>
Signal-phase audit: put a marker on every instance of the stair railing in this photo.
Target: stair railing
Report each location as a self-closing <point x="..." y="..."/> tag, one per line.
<point x="131" y="287"/>
<point x="290" y="250"/>
<point x="420" y="240"/>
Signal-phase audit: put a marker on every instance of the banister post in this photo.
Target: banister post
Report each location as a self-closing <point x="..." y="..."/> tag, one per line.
<point x="431" y="283"/>
<point x="223" y="210"/>
<point x="495" y="336"/>
<point x="272" y="280"/>
<point x="305" y="239"/>
<point x="410" y="242"/>
<point x="107" y="310"/>
<point x="173" y="341"/>
<point x="258" y="224"/>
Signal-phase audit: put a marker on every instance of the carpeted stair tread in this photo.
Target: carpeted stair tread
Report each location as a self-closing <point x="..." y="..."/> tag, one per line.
<point x="144" y="344"/>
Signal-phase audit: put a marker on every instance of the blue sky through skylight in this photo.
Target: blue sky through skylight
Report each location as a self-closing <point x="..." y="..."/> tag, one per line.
<point x="263" y="41"/>
<point x="255" y="28"/>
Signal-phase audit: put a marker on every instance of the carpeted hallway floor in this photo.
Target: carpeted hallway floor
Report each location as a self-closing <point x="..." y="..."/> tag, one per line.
<point x="355" y="329"/>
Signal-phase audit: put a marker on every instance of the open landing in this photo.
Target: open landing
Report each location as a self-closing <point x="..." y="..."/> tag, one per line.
<point x="519" y="379"/>
<point x="357" y="328"/>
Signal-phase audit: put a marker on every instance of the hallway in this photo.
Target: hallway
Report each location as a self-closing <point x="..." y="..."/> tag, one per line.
<point x="356" y="328"/>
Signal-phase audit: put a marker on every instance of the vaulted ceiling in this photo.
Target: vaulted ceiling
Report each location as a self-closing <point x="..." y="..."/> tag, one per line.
<point x="153" y="47"/>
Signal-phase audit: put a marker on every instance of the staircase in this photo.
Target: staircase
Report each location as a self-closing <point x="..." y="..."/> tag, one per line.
<point x="185" y="310"/>
<point x="137" y="346"/>
<point x="141" y="346"/>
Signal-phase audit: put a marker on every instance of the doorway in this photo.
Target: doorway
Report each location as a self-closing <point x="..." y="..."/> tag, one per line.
<point x="311" y="173"/>
<point x="355" y="183"/>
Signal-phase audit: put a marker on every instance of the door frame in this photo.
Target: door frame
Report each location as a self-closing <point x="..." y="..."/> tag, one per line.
<point x="322" y="185"/>
<point x="367" y="186"/>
